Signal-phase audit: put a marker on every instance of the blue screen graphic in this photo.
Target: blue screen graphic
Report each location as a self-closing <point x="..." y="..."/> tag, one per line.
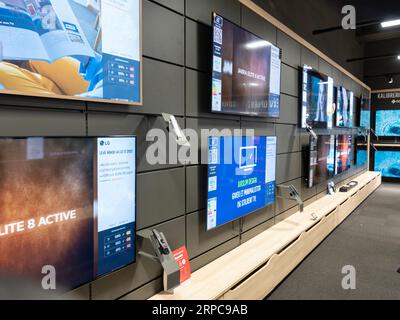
<point x="361" y="157"/>
<point x="241" y="177"/>
<point x="388" y="123"/>
<point x="388" y="163"/>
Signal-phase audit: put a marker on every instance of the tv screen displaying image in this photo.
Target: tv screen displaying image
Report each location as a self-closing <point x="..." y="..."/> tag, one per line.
<point x="317" y="99"/>
<point x="68" y="203"/>
<point x="343" y="153"/>
<point x="72" y="49"/>
<point x="241" y="177"/>
<point x="362" y="157"/>
<point x="388" y="163"/>
<point x="246" y="72"/>
<point x="344" y="107"/>
<point x="365" y="113"/>
<point x="387" y="123"/>
<point x="322" y="159"/>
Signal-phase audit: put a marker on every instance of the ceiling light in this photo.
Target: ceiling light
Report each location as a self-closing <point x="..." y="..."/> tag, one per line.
<point x="257" y="44"/>
<point x="391" y="79"/>
<point x="390" y="23"/>
<point x="398" y="57"/>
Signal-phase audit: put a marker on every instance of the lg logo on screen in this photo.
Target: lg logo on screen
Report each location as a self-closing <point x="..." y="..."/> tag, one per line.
<point x="49" y="280"/>
<point x="105" y="143"/>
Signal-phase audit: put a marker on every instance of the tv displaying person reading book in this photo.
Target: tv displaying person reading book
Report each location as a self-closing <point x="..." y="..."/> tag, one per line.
<point x="388" y="163"/>
<point x="69" y="203"/>
<point x="79" y="49"/>
<point x="241" y="177"/>
<point x="321" y="160"/>
<point x="344" y="107"/>
<point x="343" y="154"/>
<point x="246" y="72"/>
<point x="317" y="99"/>
<point x="387" y="123"/>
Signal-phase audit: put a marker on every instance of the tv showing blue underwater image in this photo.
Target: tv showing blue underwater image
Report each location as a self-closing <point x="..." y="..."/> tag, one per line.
<point x="361" y="157"/>
<point x="365" y="113"/>
<point x="388" y="163"/>
<point x="241" y="177"/>
<point x="388" y="123"/>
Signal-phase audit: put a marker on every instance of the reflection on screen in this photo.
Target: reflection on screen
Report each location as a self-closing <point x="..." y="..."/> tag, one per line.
<point x="388" y="123"/>
<point x="388" y="163"/>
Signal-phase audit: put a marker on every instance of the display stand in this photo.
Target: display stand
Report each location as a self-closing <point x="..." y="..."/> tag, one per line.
<point x="164" y="256"/>
<point x="176" y="129"/>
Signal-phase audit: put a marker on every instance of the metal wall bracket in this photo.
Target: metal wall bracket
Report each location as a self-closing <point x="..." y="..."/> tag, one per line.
<point x="293" y="194"/>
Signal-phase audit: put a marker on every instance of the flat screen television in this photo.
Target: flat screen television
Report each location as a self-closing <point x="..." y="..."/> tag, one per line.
<point x="69" y="203"/>
<point x="72" y="49"/>
<point x="241" y="177"/>
<point x="344" y="107"/>
<point x="321" y="160"/>
<point x="387" y="123"/>
<point x="388" y="163"/>
<point x="246" y="72"/>
<point x="343" y="154"/>
<point x="317" y="99"/>
<point x="361" y="156"/>
<point x="365" y="113"/>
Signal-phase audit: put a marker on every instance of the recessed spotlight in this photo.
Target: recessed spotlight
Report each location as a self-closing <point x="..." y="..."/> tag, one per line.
<point x="391" y="80"/>
<point x="390" y="23"/>
<point x="398" y="57"/>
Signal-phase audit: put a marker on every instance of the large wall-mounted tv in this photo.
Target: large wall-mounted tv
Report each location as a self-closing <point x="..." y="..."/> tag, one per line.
<point x="317" y="99"/>
<point x="344" y="155"/>
<point x="344" y="107"/>
<point x="246" y="72"/>
<point x="387" y="123"/>
<point x="241" y="177"/>
<point x="321" y="160"/>
<point x="365" y="113"/>
<point x="72" y="49"/>
<point x="388" y="163"/>
<point x="68" y="203"/>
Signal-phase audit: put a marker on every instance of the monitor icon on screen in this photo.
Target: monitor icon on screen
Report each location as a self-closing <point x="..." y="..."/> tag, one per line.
<point x="248" y="158"/>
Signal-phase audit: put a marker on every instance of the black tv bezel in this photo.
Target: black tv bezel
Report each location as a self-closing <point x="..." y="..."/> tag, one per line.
<point x="372" y="160"/>
<point x="249" y="213"/>
<point x="136" y="184"/>
<point x="239" y="113"/>
<point x="323" y="77"/>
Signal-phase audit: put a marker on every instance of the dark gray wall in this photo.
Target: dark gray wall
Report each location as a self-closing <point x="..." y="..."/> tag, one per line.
<point x="176" y="47"/>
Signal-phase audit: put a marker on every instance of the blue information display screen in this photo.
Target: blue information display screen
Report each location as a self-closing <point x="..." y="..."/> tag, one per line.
<point x="241" y="177"/>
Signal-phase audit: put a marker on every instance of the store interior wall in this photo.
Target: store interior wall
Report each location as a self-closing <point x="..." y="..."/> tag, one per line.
<point x="172" y="198"/>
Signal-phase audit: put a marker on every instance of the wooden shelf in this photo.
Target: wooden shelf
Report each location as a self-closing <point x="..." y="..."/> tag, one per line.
<point x="253" y="269"/>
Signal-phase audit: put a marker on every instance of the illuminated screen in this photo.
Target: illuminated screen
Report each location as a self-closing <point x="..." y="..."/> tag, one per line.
<point x="317" y="99"/>
<point x="365" y="113"/>
<point x="68" y="203"/>
<point x="246" y="72"/>
<point x="388" y="163"/>
<point x="388" y="123"/>
<point x="344" y="107"/>
<point x="362" y="157"/>
<point x="322" y="159"/>
<point x="86" y="49"/>
<point x="343" y="153"/>
<point x="241" y="177"/>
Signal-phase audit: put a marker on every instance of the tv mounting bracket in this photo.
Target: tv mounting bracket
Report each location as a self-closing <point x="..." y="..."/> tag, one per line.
<point x="164" y="256"/>
<point x="311" y="131"/>
<point x="293" y="195"/>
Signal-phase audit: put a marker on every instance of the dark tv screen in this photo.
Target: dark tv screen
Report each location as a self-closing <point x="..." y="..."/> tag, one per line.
<point x="343" y="155"/>
<point x="68" y="203"/>
<point x="387" y="123"/>
<point x="317" y="99"/>
<point x="322" y="159"/>
<point x="344" y="107"/>
<point x="388" y="163"/>
<point x="246" y="72"/>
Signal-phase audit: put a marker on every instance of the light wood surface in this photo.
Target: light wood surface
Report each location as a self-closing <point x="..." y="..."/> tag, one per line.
<point x="386" y="90"/>
<point x="279" y="25"/>
<point x="253" y="269"/>
<point x="387" y="145"/>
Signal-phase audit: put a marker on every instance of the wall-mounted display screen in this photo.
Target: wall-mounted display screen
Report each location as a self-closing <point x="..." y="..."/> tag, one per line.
<point x="321" y="159"/>
<point x="343" y="155"/>
<point x="344" y="107"/>
<point x="80" y="49"/>
<point x="241" y="177"/>
<point x="388" y="163"/>
<point x="317" y="99"/>
<point x="246" y="72"/>
<point x="365" y="113"/>
<point x="362" y="157"/>
<point x="387" y="123"/>
<point x="68" y="203"/>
